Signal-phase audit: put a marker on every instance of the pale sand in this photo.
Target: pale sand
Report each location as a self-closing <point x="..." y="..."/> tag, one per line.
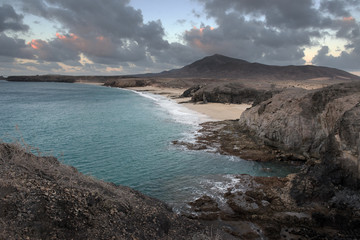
<point x="218" y="111"/>
<point x="215" y="111"/>
<point x="90" y="83"/>
<point x="168" y="92"/>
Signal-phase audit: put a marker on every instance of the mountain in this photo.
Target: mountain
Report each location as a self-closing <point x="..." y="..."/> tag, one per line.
<point x="219" y="66"/>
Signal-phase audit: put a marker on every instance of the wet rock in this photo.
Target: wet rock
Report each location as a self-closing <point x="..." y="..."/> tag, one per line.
<point x="204" y="204"/>
<point x="229" y="138"/>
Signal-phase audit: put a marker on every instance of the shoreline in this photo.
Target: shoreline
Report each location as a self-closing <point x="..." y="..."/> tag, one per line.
<point x="215" y="111"/>
<point x="89" y="83"/>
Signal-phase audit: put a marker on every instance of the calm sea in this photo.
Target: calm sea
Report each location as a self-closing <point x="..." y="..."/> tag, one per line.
<point x="121" y="136"/>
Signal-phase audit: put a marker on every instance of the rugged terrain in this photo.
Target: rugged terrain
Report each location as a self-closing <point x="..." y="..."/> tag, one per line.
<point x="303" y="114"/>
<point x="41" y="198"/>
<point x="319" y="127"/>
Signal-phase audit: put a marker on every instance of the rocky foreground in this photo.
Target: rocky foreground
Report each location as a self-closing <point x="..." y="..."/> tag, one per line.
<point x="41" y="198"/>
<point x="320" y="128"/>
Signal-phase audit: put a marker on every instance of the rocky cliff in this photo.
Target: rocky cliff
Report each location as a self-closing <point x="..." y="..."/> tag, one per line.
<point x="322" y="126"/>
<point x="41" y="198"/>
<point x="230" y="92"/>
<point x="299" y="120"/>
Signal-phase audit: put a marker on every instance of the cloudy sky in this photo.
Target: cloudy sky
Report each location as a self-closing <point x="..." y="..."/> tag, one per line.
<point x="116" y="37"/>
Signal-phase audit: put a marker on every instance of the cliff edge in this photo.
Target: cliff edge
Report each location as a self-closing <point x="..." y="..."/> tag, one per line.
<point x="321" y="124"/>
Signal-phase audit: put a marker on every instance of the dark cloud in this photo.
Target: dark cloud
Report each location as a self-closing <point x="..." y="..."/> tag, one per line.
<point x="349" y="61"/>
<point x="10" y="20"/>
<point x="249" y="39"/>
<point x="279" y="13"/>
<point x="107" y="33"/>
<point x="113" y="34"/>
<point x="12" y="47"/>
<point x="335" y="7"/>
<point x="347" y="28"/>
<point x="15" y="48"/>
<point x="105" y="30"/>
<point x="177" y="55"/>
<point x="54" y="51"/>
<point x="274" y="32"/>
<point x="339" y="8"/>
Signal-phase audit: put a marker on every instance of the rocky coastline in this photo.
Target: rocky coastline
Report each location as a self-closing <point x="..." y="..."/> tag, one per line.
<point x="40" y="198"/>
<point x="311" y="119"/>
<point x="317" y="128"/>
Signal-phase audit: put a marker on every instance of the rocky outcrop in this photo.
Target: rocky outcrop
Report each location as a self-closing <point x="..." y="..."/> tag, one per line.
<point x="230" y="93"/>
<point x="346" y="138"/>
<point x="131" y="82"/>
<point x="321" y="127"/>
<point x="337" y="168"/>
<point x="300" y="121"/>
<point x="43" y="199"/>
<point x="264" y="208"/>
<point x="229" y="138"/>
<point x="42" y="78"/>
<point x="68" y="78"/>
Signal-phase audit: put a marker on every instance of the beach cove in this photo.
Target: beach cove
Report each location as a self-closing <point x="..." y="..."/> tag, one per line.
<point x="195" y="164"/>
<point x="97" y="130"/>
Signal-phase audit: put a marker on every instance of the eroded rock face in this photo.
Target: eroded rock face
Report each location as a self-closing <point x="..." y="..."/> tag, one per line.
<point x="232" y="92"/>
<point x="347" y="137"/>
<point x="126" y="83"/>
<point x="299" y="120"/>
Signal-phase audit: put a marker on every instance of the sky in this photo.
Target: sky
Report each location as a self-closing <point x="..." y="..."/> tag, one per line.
<point x="120" y="37"/>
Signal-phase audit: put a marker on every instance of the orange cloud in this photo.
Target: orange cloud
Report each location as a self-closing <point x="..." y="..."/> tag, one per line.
<point x="73" y="36"/>
<point x="348" y="19"/>
<point x="201" y="30"/>
<point x="63" y="37"/>
<point x="35" y="44"/>
<point x="101" y="38"/>
<point x="59" y="36"/>
<point x="199" y="44"/>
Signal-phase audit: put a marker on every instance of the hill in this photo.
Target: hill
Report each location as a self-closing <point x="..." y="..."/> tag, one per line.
<point x="219" y="66"/>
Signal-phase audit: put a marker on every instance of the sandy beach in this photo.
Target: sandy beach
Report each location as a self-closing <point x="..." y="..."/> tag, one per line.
<point x="90" y="83"/>
<point x="215" y="111"/>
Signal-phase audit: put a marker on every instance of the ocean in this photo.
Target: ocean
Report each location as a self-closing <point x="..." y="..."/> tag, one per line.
<point x="122" y="136"/>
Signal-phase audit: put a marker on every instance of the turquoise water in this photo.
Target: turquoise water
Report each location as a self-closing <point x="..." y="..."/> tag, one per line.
<point x="120" y="136"/>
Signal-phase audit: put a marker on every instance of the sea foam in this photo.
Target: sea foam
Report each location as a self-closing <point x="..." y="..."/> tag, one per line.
<point x="176" y="111"/>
